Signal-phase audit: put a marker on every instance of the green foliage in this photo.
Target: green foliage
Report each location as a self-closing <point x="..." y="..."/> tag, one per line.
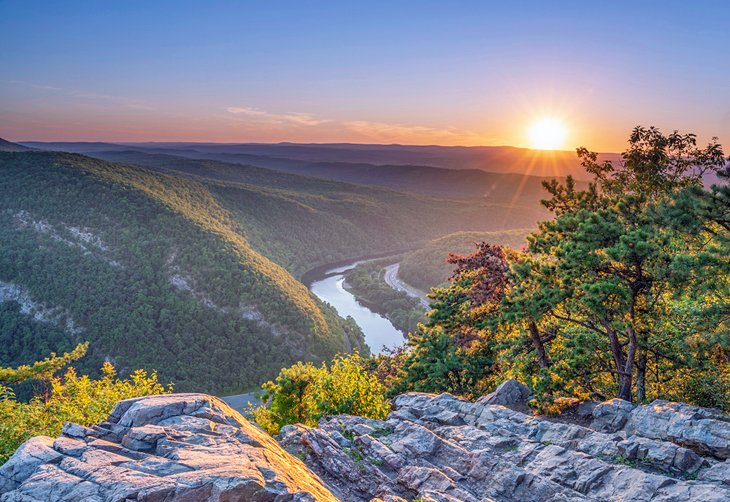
<point x="366" y="282"/>
<point x="155" y="274"/>
<point x="72" y="398"/>
<point x="427" y="267"/>
<point x="287" y="398"/>
<point x="612" y="267"/>
<point x="624" y="293"/>
<point x="24" y="339"/>
<point x="188" y="269"/>
<point x="41" y="370"/>
<point x="301" y="222"/>
<point x="449" y="353"/>
<point x="304" y="393"/>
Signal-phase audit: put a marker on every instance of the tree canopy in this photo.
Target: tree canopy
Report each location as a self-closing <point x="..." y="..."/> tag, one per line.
<point x="622" y="293"/>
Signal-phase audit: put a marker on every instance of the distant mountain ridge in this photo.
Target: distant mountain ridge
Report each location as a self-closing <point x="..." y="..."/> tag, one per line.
<point x="8" y="146"/>
<point x="498" y="159"/>
<point x="495" y="172"/>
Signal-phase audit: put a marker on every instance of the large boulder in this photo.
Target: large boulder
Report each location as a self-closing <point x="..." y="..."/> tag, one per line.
<point x="510" y="392"/>
<point x="612" y="415"/>
<point x="188" y="447"/>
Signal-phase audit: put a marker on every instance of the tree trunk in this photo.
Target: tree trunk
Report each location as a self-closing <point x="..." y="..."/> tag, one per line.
<point x="542" y="358"/>
<point x="626" y="377"/>
<point x="641" y="376"/>
<point x="624" y="389"/>
<point x="624" y="365"/>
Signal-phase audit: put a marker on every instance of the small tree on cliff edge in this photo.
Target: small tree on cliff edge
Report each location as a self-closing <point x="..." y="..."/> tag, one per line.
<point x="613" y="257"/>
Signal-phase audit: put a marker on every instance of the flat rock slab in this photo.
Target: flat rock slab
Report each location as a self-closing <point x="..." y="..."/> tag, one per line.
<point x="186" y="447"/>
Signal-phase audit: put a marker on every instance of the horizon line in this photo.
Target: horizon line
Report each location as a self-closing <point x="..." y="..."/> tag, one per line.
<point x="407" y="145"/>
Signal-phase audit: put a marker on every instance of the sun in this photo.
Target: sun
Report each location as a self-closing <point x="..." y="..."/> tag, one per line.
<point x="547" y="134"/>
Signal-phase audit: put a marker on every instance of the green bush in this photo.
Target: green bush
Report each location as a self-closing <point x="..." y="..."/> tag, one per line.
<point x="304" y="393"/>
<point x="72" y="398"/>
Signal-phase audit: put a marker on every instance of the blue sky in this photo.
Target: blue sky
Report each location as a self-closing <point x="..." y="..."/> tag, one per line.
<point x="396" y="71"/>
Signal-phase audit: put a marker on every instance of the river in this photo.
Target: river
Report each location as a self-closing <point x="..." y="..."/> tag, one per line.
<point x="327" y="285"/>
<point x="378" y="331"/>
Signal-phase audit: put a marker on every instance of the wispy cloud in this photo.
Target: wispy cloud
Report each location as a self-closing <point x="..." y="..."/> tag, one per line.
<point x="379" y="132"/>
<point x="83" y="95"/>
<point x="34" y="86"/>
<point x="296" y="119"/>
<point x="390" y="132"/>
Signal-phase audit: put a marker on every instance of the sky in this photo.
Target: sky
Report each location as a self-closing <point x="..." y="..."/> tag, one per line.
<point x="410" y="72"/>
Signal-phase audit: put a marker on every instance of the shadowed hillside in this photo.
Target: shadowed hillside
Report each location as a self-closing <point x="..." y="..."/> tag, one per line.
<point x="481" y="171"/>
<point x="7" y="146"/>
<point x="154" y="272"/>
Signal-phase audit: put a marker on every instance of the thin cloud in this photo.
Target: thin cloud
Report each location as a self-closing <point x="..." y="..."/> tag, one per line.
<point x="34" y="86"/>
<point x="82" y="95"/>
<point x="389" y="133"/>
<point x="297" y="119"/>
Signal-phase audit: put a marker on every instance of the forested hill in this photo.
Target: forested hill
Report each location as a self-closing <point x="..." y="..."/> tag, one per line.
<point x="7" y="146"/>
<point x="188" y="266"/>
<point x="153" y="271"/>
<point x="303" y="222"/>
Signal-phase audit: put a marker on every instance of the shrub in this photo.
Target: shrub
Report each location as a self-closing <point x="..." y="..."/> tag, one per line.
<point x="72" y="398"/>
<point x="304" y="393"/>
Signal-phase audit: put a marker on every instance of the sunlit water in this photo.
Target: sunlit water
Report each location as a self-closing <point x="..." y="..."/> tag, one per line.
<point x="378" y="331"/>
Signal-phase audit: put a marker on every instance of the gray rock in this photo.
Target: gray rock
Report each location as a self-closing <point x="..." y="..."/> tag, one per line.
<point x="585" y="409"/>
<point x="612" y="415"/>
<point x="26" y="459"/>
<point x="703" y="430"/>
<point x="452" y="449"/>
<point x="660" y="454"/>
<point x="719" y="473"/>
<point x="186" y="447"/>
<point x="508" y="393"/>
<point x="192" y="447"/>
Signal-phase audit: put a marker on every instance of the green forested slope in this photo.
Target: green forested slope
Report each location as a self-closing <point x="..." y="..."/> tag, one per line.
<point x="302" y="222"/>
<point x="426" y="267"/>
<point x="154" y="272"/>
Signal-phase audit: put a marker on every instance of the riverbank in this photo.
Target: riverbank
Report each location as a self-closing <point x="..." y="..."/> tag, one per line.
<point x="379" y="331"/>
<point x="320" y="272"/>
<point x="366" y="283"/>
<point x="391" y="279"/>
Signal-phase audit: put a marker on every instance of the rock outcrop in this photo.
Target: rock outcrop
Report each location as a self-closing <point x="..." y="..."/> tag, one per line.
<point x="442" y="448"/>
<point x="187" y="447"/>
<point x="193" y="447"/>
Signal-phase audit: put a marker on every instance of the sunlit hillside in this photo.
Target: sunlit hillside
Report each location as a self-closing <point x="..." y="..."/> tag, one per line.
<point x="153" y="271"/>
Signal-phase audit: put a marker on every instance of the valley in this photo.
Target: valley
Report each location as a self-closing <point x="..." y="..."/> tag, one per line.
<point x="227" y="243"/>
<point x="364" y="251"/>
